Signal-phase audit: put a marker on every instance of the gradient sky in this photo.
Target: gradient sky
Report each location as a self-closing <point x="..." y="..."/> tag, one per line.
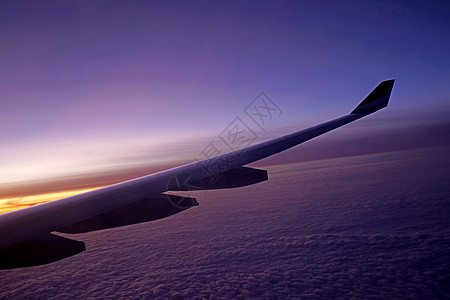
<point x="93" y="89"/>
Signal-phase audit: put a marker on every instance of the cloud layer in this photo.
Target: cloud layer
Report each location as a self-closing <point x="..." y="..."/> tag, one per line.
<point x="369" y="227"/>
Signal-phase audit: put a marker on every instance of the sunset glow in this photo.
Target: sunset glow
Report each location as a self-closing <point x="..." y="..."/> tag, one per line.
<point x="11" y="204"/>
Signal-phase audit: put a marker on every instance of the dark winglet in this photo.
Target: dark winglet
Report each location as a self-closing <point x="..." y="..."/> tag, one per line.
<point x="376" y="100"/>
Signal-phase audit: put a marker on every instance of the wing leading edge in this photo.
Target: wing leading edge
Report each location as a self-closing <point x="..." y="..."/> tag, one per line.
<point x="25" y="234"/>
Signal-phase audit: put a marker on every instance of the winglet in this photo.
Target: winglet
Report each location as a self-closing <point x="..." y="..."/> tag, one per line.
<point x="376" y="100"/>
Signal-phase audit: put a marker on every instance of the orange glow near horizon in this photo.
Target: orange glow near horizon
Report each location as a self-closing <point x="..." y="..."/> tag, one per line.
<point x="11" y="204"/>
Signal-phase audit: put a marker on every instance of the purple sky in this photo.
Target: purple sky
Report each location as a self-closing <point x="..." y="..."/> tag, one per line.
<point x="103" y="86"/>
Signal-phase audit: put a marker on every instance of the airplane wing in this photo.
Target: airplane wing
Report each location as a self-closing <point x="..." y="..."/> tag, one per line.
<point x="26" y="237"/>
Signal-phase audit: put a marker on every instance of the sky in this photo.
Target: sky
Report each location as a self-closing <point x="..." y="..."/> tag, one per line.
<point x="94" y="92"/>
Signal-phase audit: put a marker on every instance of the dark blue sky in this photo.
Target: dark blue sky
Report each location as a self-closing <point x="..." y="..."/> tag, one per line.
<point x="103" y="85"/>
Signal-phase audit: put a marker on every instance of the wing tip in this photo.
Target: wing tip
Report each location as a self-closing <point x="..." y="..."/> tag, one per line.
<point x="377" y="99"/>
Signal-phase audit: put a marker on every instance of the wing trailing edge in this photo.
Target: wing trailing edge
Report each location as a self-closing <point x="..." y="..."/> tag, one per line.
<point x="145" y="210"/>
<point x="39" y="251"/>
